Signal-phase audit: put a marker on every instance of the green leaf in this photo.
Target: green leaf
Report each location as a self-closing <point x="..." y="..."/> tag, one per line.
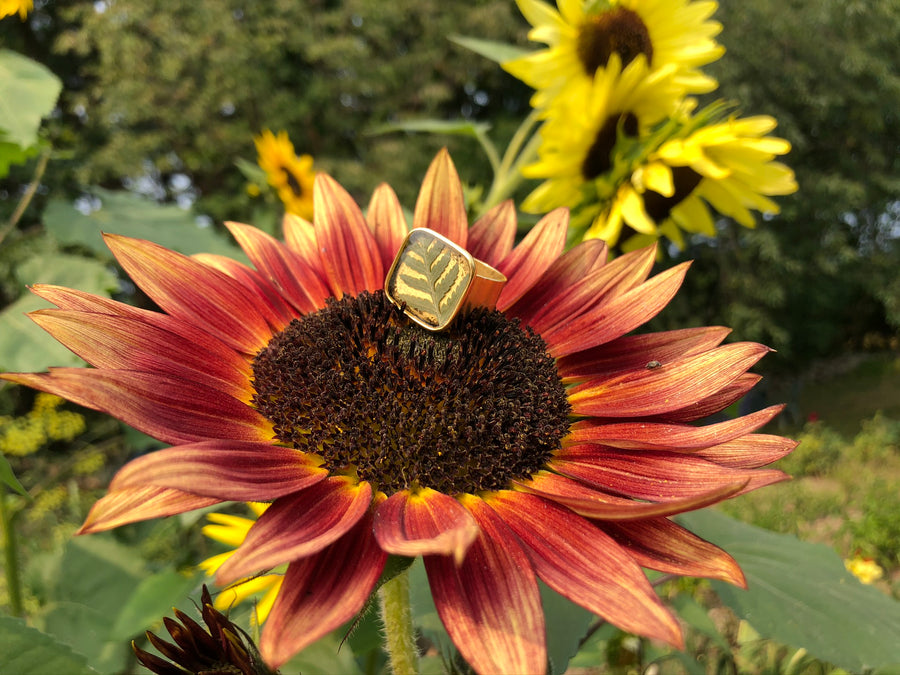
<point x="153" y="598"/>
<point x="11" y="153"/>
<point x="324" y="657"/>
<point x="134" y="216"/>
<point x="567" y="624"/>
<point x="450" y="127"/>
<point x="9" y="477"/>
<point x="23" y="345"/>
<point x="500" y="52"/>
<point x="27" y="650"/>
<point x="28" y="93"/>
<point x="696" y="616"/>
<point x="800" y="594"/>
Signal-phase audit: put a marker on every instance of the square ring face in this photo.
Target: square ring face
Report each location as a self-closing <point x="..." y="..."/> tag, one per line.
<point x="432" y="275"/>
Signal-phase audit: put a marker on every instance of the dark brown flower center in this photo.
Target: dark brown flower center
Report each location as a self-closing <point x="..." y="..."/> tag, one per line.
<point x="292" y="182"/>
<point x="462" y="410"/>
<point x="599" y="156"/>
<point x="616" y="30"/>
<point x="658" y="206"/>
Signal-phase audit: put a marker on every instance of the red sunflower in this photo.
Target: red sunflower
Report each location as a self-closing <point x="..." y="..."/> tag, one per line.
<point x="535" y="441"/>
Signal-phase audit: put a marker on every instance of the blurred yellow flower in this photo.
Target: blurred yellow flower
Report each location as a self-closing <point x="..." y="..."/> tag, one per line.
<point x="578" y="139"/>
<point x="728" y="166"/>
<point x="20" y="7"/>
<point x="290" y="175"/>
<point x="865" y="569"/>
<point x="232" y="530"/>
<point x="584" y="34"/>
<point x="44" y="423"/>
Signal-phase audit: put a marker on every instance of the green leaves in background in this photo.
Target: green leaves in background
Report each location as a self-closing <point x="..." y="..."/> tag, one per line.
<point x="134" y="216"/>
<point x="28" y="93"/>
<point x="23" y="345"/>
<point x="499" y="52"/>
<point x="800" y="594"/>
<point x="26" y="650"/>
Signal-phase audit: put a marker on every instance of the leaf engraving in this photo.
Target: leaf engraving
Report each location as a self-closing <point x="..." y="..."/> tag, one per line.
<point x="431" y="278"/>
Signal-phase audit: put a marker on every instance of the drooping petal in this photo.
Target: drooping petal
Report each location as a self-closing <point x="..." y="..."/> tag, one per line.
<point x="749" y="452"/>
<point x="655" y="391"/>
<point x="441" y="206"/>
<point x="660" y="544"/>
<point x="578" y="561"/>
<point x="621" y="315"/>
<point x="425" y="522"/>
<point x="321" y="592"/>
<point x="653" y="475"/>
<point x="140" y="503"/>
<point x="660" y="436"/>
<point x="557" y="285"/>
<point x="226" y="470"/>
<point x="194" y="292"/>
<point x="172" y="410"/>
<point x="593" y="503"/>
<point x="346" y="245"/>
<point x="492" y="236"/>
<point x="636" y="351"/>
<point x="388" y="225"/>
<point x="490" y="604"/>
<point x="299" y="525"/>
<point x="533" y="256"/>
<point x="297" y="281"/>
<point x="117" y="342"/>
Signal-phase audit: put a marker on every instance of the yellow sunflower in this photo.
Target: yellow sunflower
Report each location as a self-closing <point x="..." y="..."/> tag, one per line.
<point x="584" y="34"/>
<point x="232" y="530"/>
<point x="576" y="154"/>
<point x="20" y="7"/>
<point x="290" y="175"/>
<point x="728" y="166"/>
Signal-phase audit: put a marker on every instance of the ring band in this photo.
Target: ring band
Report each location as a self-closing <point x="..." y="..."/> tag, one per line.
<point x="433" y="280"/>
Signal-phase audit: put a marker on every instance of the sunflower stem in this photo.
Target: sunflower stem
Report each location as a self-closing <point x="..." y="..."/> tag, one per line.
<point x="11" y="558"/>
<point x="507" y="176"/>
<point x="399" y="636"/>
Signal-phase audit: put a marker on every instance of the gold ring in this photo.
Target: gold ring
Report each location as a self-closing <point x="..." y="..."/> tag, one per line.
<point x="433" y="280"/>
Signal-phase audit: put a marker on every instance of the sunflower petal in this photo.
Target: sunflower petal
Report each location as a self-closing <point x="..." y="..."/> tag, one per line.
<point x="441" y="206"/>
<point x="300" y="237"/>
<point x="425" y="522"/>
<point x="559" y="283"/>
<point x="749" y="452"/>
<point x="490" y="604"/>
<point x="298" y="526"/>
<point x="660" y="544"/>
<point x="578" y="561"/>
<point x="533" y="256"/>
<point x="710" y="405"/>
<point x="227" y="470"/>
<point x="649" y="391"/>
<point x="682" y="437"/>
<point x="287" y="271"/>
<point x="653" y="475"/>
<point x="348" y="250"/>
<point x="194" y="292"/>
<point x="141" y="503"/>
<point x="174" y="411"/>
<point x="492" y="236"/>
<point x="116" y="342"/>
<point x="591" y="503"/>
<point x="635" y="351"/>
<point x="621" y="315"/>
<point x="321" y="592"/>
<point x="386" y="220"/>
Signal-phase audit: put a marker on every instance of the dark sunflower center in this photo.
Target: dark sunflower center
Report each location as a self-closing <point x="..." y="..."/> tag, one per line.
<point x="616" y="30"/>
<point x="599" y="156"/>
<point x="684" y="180"/>
<point x="292" y="182"/>
<point x="462" y="410"/>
